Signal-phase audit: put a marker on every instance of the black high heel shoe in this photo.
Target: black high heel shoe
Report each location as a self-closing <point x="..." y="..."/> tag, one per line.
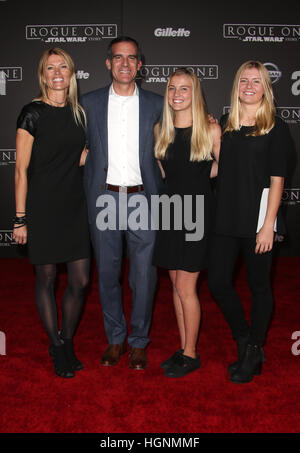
<point x="75" y="364"/>
<point x="250" y="365"/>
<point x="62" y="367"/>
<point x="241" y="344"/>
<point x="241" y="348"/>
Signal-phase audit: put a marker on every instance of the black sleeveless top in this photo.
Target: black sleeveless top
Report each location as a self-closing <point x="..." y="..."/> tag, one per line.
<point x="184" y="249"/>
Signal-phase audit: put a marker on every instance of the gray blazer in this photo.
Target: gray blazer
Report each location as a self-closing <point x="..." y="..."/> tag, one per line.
<point x="95" y="105"/>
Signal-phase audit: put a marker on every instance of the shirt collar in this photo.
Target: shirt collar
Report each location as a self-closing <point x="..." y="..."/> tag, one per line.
<point x="113" y="93"/>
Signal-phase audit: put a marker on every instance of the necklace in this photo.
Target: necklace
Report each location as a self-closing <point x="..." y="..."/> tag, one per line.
<point x="246" y="125"/>
<point x="248" y="121"/>
<point x="57" y="102"/>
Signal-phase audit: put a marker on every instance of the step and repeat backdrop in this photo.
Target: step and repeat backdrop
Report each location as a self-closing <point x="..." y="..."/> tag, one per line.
<point x="211" y="39"/>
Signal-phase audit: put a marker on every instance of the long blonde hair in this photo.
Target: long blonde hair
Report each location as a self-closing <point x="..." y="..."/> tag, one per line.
<point x="265" y="114"/>
<point x="201" y="141"/>
<point x="72" y="98"/>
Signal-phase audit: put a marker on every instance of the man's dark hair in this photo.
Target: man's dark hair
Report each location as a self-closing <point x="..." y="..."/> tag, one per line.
<point x="123" y="39"/>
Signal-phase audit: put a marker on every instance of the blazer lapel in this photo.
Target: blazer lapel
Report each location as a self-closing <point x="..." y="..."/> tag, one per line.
<point x="101" y="112"/>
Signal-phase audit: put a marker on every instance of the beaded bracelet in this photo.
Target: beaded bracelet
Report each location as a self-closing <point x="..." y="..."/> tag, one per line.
<point x="20" y="220"/>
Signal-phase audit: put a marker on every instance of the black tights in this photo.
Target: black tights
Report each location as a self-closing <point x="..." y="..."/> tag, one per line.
<point x="73" y="301"/>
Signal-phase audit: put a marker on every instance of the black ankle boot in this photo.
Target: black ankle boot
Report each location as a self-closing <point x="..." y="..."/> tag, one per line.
<point x="250" y="365"/>
<point x="241" y="344"/>
<point x="61" y="365"/>
<point x="75" y="364"/>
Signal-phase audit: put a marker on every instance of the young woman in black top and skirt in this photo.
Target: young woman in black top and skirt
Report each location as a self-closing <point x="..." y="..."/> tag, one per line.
<point x="185" y="147"/>
<point x="252" y="169"/>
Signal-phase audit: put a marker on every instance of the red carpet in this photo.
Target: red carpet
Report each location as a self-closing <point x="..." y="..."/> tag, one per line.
<point x="120" y="400"/>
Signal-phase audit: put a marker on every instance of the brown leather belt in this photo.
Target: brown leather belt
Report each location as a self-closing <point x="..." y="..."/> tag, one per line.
<point x="124" y="189"/>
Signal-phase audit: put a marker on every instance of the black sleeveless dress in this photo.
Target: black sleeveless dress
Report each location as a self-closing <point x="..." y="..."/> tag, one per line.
<point x="55" y="207"/>
<point x="177" y="248"/>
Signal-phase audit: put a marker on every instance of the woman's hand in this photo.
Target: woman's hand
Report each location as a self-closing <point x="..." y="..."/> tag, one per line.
<point x="20" y="234"/>
<point x="265" y="236"/>
<point x="83" y="157"/>
<point x="264" y="239"/>
<point x="212" y="119"/>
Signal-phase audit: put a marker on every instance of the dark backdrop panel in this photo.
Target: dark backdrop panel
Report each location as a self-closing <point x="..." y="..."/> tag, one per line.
<point x="211" y="40"/>
<point x="51" y="25"/>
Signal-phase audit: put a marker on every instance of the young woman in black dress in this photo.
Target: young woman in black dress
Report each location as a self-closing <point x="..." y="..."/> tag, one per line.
<point x="251" y="175"/>
<point x="50" y="203"/>
<point x="185" y="146"/>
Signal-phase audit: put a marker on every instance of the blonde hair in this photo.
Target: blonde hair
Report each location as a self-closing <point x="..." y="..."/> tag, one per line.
<point x="201" y="141"/>
<point x="72" y="98"/>
<point x="265" y="114"/>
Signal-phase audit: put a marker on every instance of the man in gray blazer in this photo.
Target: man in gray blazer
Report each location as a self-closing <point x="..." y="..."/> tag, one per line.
<point x="121" y="164"/>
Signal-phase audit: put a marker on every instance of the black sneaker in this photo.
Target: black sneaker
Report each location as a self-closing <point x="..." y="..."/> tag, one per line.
<point x="183" y="366"/>
<point x="173" y="359"/>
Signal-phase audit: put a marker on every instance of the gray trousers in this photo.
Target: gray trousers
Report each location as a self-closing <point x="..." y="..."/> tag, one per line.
<point x="108" y="249"/>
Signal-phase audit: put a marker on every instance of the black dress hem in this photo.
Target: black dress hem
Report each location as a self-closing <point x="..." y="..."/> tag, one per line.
<point x="62" y="261"/>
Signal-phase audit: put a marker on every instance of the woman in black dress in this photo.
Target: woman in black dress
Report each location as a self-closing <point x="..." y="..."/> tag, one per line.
<point x="50" y="204"/>
<point x="251" y="175"/>
<point x="185" y="146"/>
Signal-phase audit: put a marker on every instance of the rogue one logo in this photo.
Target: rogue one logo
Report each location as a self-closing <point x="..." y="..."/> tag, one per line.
<point x="12" y="74"/>
<point x="274" y="72"/>
<point x="71" y="33"/>
<point x="289" y="114"/>
<point x="272" y="33"/>
<point x="291" y="196"/>
<point x="9" y="74"/>
<point x="226" y="109"/>
<point x="161" y="73"/>
<point x="171" y="33"/>
<point x="296" y="84"/>
<point x="7" y="156"/>
<point x="6" y="238"/>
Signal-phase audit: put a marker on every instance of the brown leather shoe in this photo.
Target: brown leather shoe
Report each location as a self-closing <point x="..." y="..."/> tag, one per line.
<point x="138" y="359"/>
<point x="112" y="354"/>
